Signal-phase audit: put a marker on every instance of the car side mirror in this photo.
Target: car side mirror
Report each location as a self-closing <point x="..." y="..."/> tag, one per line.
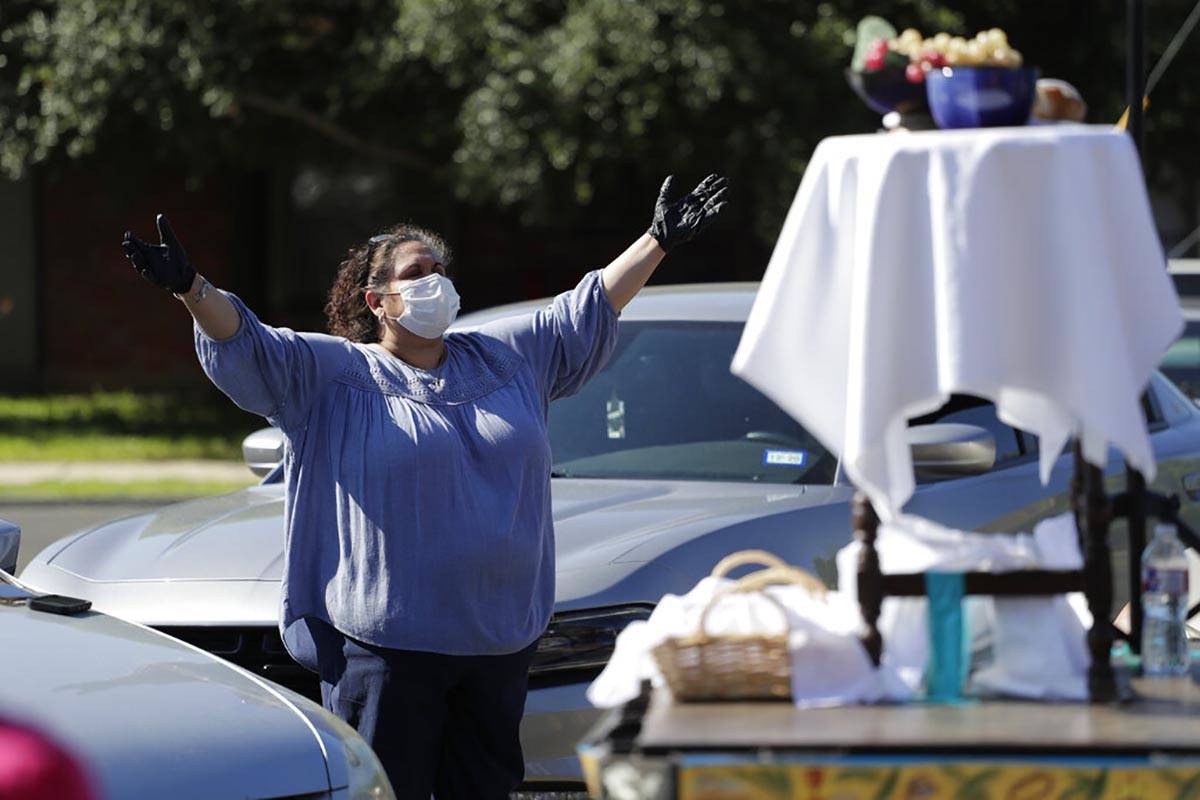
<point x="10" y="543"/>
<point x="951" y="450"/>
<point x="263" y="450"/>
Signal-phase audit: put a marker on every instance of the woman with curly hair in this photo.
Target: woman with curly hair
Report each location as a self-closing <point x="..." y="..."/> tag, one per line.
<point x="419" y="543"/>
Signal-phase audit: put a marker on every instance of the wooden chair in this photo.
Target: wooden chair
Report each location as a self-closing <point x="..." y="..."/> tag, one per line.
<point x="1094" y="512"/>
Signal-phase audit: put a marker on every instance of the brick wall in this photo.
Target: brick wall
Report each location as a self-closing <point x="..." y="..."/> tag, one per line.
<point x="100" y="323"/>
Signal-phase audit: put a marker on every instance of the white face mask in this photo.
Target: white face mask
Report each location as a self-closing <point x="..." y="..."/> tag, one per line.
<point x="430" y="305"/>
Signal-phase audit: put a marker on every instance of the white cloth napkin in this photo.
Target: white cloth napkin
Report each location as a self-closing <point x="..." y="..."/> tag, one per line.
<point x="1016" y="264"/>
<point x="1038" y="644"/>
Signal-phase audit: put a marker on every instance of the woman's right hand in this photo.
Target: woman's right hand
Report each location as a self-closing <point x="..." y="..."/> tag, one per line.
<point x="164" y="264"/>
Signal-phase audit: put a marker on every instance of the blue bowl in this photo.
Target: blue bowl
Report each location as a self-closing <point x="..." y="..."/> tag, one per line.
<point x="887" y="90"/>
<point x="981" y="97"/>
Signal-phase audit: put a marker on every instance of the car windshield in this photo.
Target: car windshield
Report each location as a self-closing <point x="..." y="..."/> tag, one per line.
<point x="667" y="407"/>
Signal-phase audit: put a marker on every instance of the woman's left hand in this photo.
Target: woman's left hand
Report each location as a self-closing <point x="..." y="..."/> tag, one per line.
<point x="678" y="221"/>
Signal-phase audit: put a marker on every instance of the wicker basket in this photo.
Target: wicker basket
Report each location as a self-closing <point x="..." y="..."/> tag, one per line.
<point x="742" y="666"/>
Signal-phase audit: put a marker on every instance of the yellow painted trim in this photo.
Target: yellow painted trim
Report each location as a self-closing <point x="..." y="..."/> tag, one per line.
<point x="950" y="781"/>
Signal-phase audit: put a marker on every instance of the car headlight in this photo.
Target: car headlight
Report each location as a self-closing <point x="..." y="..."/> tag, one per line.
<point x="580" y="640"/>
<point x="366" y="779"/>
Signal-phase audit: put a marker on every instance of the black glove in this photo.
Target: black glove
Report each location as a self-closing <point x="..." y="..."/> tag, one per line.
<point x="165" y="264"/>
<point x="676" y="222"/>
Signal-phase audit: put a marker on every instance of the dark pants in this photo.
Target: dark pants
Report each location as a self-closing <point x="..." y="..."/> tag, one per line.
<point x="441" y="725"/>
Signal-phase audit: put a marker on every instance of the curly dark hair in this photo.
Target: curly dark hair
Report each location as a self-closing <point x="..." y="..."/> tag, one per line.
<point x="347" y="309"/>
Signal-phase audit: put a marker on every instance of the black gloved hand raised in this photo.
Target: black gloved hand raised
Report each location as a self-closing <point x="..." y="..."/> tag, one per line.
<point x="676" y="222"/>
<point x="165" y="264"/>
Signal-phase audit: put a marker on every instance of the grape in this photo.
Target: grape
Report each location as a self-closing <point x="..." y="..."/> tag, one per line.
<point x="974" y="52"/>
<point x="989" y="47"/>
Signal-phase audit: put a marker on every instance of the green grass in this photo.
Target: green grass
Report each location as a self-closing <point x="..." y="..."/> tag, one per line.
<point x="103" y="490"/>
<point x="102" y="447"/>
<point x="125" y="426"/>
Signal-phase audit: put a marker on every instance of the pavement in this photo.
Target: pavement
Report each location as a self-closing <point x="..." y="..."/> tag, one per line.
<point x="16" y="473"/>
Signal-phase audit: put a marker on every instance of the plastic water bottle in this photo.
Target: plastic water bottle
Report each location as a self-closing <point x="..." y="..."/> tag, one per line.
<point x="1164" y="604"/>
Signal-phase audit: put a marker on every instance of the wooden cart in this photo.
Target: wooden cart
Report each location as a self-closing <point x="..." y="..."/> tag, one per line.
<point x="1137" y="738"/>
<point x="1147" y="747"/>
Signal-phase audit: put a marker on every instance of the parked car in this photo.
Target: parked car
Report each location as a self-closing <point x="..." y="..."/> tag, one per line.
<point x="146" y="715"/>
<point x="1182" y="362"/>
<point x="664" y="463"/>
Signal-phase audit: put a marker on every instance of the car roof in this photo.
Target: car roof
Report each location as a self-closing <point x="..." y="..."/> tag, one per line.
<point x="703" y="302"/>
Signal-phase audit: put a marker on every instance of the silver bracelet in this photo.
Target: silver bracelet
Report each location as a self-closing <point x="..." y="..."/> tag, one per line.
<point x="197" y="294"/>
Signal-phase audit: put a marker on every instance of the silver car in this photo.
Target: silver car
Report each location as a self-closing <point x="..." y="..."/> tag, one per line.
<point x="664" y="463"/>
<point x="149" y="716"/>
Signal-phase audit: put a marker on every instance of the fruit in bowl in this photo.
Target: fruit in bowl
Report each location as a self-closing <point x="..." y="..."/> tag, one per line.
<point x="964" y="83"/>
<point x="970" y="83"/>
<point x="877" y="71"/>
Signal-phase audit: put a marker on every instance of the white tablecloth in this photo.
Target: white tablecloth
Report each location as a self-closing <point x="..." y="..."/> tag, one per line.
<point x="1016" y="264"/>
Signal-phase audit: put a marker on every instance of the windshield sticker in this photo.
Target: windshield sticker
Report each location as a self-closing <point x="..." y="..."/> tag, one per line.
<point x="615" y="412"/>
<point x="784" y="458"/>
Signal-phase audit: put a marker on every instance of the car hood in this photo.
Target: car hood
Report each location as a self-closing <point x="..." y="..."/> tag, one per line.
<point x="239" y="536"/>
<point x="149" y="716"/>
<point x="236" y="536"/>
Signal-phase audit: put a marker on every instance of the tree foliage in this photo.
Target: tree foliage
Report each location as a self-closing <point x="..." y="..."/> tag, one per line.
<point x="537" y="105"/>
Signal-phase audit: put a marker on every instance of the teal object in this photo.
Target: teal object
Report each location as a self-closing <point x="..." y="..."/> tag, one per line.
<point x="948" y="659"/>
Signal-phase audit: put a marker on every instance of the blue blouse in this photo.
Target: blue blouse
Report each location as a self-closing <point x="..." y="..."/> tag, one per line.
<point x="417" y="511"/>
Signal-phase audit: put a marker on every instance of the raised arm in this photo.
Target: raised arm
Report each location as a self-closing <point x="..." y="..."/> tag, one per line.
<point x="213" y="311"/>
<point x="675" y="222"/>
<point x="570" y="340"/>
<point x="628" y="272"/>
<point x="166" y="265"/>
<point x="275" y="372"/>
